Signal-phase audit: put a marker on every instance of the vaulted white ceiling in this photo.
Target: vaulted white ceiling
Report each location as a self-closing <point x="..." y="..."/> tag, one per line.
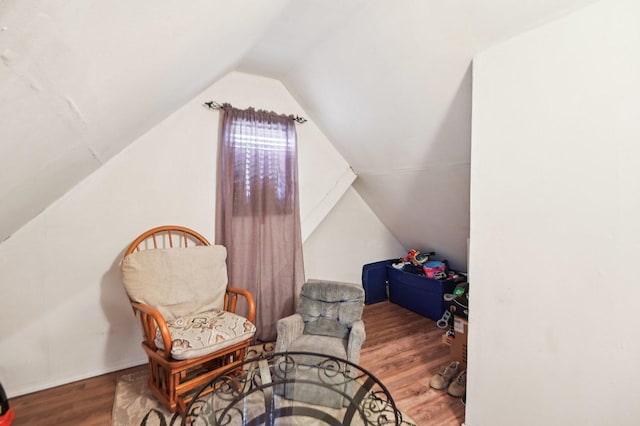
<point x="389" y="82"/>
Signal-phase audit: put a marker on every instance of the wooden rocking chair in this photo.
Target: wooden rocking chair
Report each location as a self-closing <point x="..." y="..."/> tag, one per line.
<point x="177" y="284"/>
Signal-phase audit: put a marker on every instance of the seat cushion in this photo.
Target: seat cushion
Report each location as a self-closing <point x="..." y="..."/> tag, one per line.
<point x="319" y="384"/>
<point x="177" y="281"/>
<point x="193" y="336"/>
<point x="326" y="345"/>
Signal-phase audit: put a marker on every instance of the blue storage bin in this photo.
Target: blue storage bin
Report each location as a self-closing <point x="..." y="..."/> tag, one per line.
<point x="419" y="293"/>
<point x="374" y="281"/>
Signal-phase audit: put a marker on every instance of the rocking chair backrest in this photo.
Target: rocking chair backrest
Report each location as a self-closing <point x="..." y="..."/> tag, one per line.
<point x="176" y="272"/>
<point x="168" y="236"/>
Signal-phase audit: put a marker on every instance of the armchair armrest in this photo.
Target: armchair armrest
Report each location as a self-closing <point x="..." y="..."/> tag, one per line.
<point x="289" y="329"/>
<point x="151" y="320"/>
<point x="231" y="301"/>
<point x="356" y="339"/>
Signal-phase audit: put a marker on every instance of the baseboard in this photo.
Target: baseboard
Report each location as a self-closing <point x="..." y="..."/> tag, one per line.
<point x="65" y="381"/>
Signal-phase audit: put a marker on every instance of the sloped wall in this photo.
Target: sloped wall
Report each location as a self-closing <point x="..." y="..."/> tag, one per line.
<point x="554" y="224"/>
<point x="81" y="80"/>
<point x="63" y="313"/>
<point x="349" y="237"/>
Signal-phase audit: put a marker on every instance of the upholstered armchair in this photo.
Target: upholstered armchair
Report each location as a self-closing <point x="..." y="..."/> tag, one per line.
<point x="327" y="321"/>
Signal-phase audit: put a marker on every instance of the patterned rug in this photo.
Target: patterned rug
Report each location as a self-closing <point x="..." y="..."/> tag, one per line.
<point x="134" y="404"/>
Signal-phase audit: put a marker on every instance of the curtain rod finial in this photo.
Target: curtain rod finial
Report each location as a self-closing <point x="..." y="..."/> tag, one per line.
<point x="213" y="105"/>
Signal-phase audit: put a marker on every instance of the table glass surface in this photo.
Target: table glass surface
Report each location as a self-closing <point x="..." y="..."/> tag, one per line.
<point x="293" y="388"/>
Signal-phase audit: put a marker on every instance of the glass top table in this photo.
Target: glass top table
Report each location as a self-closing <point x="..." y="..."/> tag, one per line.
<point x="293" y="388"/>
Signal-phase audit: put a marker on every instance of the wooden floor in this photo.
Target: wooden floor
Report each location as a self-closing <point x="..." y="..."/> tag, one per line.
<point x="402" y="349"/>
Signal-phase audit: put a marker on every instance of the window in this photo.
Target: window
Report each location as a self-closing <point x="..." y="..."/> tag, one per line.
<point x="262" y="153"/>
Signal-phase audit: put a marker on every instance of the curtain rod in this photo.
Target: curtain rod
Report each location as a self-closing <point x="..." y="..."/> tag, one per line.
<point x="216" y="105"/>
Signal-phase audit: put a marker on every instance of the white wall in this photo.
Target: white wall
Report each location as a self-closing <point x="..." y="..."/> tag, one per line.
<point x="80" y="80"/>
<point x="351" y="236"/>
<point x="555" y="234"/>
<point x="63" y="313"/>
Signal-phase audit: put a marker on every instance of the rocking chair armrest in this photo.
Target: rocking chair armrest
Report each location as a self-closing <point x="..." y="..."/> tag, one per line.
<point x="231" y="300"/>
<point x="152" y="318"/>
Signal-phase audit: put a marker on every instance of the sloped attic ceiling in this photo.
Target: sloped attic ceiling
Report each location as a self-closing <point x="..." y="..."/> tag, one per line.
<point x="81" y="79"/>
<point x="389" y="83"/>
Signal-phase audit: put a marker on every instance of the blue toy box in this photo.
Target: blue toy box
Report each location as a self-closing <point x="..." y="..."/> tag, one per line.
<point x="418" y="293"/>
<point x="375" y="280"/>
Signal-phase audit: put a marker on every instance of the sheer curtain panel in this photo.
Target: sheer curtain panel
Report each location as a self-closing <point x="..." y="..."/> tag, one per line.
<point x="257" y="211"/>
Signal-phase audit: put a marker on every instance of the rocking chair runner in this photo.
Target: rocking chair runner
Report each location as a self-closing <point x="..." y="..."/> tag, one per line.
<point x="177" y="284"/>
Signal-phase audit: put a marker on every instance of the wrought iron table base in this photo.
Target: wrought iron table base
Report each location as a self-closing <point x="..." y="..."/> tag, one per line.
<point x="292" y="388"/>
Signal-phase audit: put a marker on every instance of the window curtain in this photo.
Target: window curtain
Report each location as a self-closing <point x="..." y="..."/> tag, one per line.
<point x="257" y="211"/>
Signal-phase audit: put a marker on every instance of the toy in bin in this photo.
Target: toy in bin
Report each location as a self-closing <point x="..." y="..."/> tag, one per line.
<point x="6" y="413"/>
<point x="435" y="269"/>
<point x="417" y="257"/>
<point x="414" y="258"/>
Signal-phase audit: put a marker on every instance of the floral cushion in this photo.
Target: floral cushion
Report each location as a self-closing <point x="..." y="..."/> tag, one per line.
<point x="204" y="333"/>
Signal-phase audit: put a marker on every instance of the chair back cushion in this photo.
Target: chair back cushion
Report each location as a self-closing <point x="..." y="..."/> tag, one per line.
<point x="329" y="308"/>
<point x="177" y="281"/>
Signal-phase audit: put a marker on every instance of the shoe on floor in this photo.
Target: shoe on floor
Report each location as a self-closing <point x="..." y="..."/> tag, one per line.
<point x="458" y="386"/>
<point x="442" y="378"/>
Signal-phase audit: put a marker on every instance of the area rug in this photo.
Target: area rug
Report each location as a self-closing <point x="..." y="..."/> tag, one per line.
<point x="134" y="404"/>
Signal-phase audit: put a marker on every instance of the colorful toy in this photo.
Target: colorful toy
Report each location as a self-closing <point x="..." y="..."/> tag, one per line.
<point x="417" y="257"/>
<point x="435" y="268"/>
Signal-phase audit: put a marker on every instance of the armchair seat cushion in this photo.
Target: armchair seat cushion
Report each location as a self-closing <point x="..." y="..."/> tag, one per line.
<point x="196" y="335"/>
<point x="332" y="346"/>
<point x="332" y="375"/>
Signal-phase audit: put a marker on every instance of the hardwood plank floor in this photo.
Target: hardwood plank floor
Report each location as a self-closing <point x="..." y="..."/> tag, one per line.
<point x="84" y="403"/>
<point x="402" y="349"/>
